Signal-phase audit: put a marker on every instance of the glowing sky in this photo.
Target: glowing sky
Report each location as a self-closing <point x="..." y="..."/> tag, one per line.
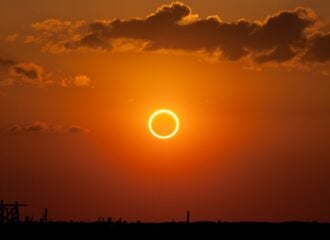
<point x="249" y="81"/>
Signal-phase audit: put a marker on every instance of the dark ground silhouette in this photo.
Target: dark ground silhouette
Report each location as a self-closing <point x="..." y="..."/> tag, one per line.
<point x="194" y="230"/>
<point x="11" y="223"/>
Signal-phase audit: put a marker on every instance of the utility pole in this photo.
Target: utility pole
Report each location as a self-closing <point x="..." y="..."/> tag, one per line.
<point x="46" y="215"/>
<point x="188" y="217"/>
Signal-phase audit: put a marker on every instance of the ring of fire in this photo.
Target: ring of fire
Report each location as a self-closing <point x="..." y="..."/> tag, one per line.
<point x="170" y="113"/>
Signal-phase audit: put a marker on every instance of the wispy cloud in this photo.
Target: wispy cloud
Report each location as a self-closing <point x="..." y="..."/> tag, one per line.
<point x="77" y="129"/>
<point x="12" y="37"/>
<point x="43" y="127"/>
<point x="34" y="75"/>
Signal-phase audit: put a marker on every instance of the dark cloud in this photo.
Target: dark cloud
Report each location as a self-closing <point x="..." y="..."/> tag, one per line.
<point x="29" y="73"/>
<point x="286" y="28"/>
<point x="42" y="127"/>
<point x="36" y="127"/>
<point x="5" y="64"/>
<point x="279" y="38"/>
<point x="319" y="49"/>
<point x="14" y="128"/>
<point x="278" y="54"/>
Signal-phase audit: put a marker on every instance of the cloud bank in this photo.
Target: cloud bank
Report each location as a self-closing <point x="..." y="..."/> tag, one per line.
<point x="289" y="35"/>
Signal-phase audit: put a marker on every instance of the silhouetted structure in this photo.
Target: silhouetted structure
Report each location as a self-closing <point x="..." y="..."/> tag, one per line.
<point x="9" y="213"/>
<point x="45" y="216"/>
<point x="188" y="217"/>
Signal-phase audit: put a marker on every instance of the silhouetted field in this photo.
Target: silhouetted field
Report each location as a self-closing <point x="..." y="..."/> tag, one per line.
<point x="201" y="230"/>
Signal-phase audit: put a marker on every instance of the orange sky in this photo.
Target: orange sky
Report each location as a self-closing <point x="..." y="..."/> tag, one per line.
<point x="77" y="89"/>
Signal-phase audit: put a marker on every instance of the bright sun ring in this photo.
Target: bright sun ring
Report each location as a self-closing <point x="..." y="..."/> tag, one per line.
<point x="170" y="113"/>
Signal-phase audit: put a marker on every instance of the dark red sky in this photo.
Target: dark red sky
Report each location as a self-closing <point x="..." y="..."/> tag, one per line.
<point x="248" y="81"/>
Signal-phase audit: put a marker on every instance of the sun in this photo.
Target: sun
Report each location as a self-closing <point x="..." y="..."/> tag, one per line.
<point x="164" y="113"/>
